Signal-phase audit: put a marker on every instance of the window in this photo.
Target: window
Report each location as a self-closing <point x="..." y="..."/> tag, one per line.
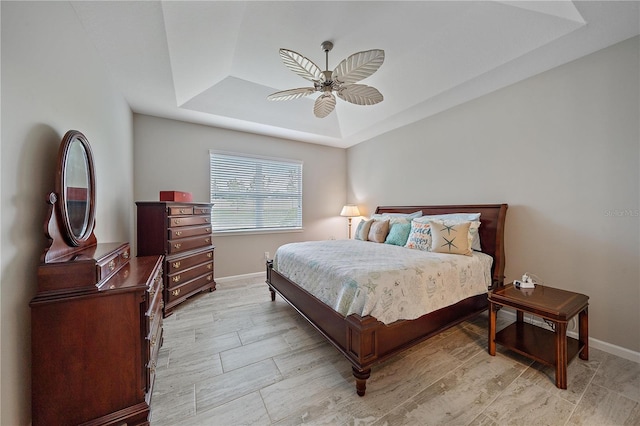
<point x="255" y="193"/>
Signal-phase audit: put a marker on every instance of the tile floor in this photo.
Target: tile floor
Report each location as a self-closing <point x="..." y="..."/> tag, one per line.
<point x="233" y="357"/>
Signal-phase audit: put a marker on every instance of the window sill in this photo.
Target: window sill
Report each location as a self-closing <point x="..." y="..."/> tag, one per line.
<point x="237" y="232"/>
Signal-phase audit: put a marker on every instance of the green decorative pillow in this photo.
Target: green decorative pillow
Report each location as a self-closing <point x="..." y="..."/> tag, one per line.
<point x="450" y="237"/>
<point x="398" y="234"/>
<point x="378" y="231"/>
<point x="362" y="231"/>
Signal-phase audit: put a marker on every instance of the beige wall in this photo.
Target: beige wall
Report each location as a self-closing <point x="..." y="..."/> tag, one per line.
<point x="49" y="85"/>
<point x="172" y="155"/>
<point x="562" y="149"/>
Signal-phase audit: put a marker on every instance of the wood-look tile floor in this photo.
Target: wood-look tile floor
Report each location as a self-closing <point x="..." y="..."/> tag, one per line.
<point x="233" y="357"/>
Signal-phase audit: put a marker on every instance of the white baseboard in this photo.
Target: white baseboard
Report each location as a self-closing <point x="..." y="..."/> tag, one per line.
<point x="572" y="332"/>
<point x="241" y="277"/>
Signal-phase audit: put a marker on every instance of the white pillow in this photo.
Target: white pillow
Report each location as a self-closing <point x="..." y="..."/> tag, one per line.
<point x="403" y="215"/>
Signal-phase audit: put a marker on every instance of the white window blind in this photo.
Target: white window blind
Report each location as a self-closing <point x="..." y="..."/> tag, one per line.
<point x="255" y="193"/>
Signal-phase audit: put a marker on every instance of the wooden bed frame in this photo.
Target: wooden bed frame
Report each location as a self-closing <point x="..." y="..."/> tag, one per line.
<point x="365" y="341"/>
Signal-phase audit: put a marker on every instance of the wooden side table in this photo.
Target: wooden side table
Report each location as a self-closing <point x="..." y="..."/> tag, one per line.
<point x="556" y="307"/>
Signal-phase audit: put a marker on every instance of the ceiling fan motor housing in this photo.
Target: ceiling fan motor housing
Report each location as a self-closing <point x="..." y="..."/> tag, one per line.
<point x="342" y="79"/>
<point x="326" y="46"/>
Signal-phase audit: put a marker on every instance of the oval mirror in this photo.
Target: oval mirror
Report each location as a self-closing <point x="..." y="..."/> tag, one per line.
<point x="76" y="188"/>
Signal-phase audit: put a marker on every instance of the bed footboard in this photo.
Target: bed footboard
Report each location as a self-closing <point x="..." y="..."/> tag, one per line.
<point x="365" y="341"/>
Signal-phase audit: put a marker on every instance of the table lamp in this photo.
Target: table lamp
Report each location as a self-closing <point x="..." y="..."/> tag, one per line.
<point x="350" y="210"/>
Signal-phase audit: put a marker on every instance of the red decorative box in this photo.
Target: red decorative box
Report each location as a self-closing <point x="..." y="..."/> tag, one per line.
<point x="176" y="196"/>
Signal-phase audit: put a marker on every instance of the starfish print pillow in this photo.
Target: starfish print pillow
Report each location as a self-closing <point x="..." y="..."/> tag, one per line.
<point x="450" y="237"/>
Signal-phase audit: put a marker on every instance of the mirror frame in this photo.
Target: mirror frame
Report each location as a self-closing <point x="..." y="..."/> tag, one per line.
<point x="71" y="137"/>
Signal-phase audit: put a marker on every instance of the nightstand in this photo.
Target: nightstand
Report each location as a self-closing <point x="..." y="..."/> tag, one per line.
<point x="556" y="307"/>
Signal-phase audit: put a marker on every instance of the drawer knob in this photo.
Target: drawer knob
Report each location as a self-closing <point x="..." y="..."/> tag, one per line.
<point x="176" y="221"/>
<point x="176" y="292"/>
<point x="152" y="293"/>
<point x="209" y="277"/>
<point x="183" y="211"/>
<point x="209" y="266"/>
<point x="177" y="245"/>
<point x="210" y="255"/>
<point x="153" y="341"/>
<point x="125" y="255"/>
<point x="206" y="219"/>
<point x="178" y="233"/>
<point x="176" y="279"/>
<point x="207" y="240"/>
<point x="208" y="230"/>
<point x="176" y="264"/>
<point x="112" y="265"/>
<point x="152" y="316"/>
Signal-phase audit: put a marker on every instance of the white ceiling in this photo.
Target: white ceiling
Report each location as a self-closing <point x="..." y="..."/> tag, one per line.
<point x="215" y="62"/>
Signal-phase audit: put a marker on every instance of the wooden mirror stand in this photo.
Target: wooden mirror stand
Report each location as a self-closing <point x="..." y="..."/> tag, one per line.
<point x="71" y="217"/>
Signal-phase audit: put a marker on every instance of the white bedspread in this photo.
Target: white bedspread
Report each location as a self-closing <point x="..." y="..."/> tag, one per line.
<point x="382" y="280"/>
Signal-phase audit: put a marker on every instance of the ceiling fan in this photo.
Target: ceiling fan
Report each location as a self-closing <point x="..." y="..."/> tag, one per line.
<point x="341" y="81"/>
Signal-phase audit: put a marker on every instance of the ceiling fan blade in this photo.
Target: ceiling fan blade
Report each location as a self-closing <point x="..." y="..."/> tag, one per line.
<point x="324" y="105"/>
<point x="358" y="66"/>
<point x="360" y="94"/>
<point x="300" y="65"/>
<point x="287" y="95"/>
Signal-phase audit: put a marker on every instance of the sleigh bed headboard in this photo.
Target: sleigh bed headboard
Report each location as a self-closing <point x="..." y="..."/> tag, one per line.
<point x="492" y="219"/>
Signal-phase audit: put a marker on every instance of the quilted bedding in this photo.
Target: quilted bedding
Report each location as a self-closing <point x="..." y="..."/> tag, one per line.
<point x="385" y="281"/>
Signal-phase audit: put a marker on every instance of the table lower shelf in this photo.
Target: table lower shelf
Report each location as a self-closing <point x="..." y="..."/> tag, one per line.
<point x="535" y="342"/>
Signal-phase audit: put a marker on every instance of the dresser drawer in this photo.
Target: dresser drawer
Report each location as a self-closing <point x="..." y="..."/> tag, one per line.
<point x="183" y="276"/>
<point x="184" y="232"/>
<point x="155" y="299"/>
<point x="202" y="210"/>
<point x="180" y="210"/>
<point x="184" y="244"/>
<point x="154" y="337"/>
<point x="154" y="305"/>
<point x="151" y="376"/>
<point x="189" y="221"/>
<point x="189" y="287"/>
<point x="155" y="316"/>
<point x="182" y="263"/>
<point x="109" y="265"/>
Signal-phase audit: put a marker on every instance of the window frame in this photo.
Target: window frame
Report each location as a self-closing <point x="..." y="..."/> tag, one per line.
<point x="258" y="159"/>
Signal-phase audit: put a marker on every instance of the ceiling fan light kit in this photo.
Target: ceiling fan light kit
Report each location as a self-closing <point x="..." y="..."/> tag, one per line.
<point x="341" y="80"/>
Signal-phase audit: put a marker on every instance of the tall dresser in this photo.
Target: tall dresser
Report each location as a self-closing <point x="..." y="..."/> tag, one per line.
<point x="182" y="233"/>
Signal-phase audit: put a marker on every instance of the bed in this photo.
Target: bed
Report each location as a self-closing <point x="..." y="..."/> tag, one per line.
<point x="364" y="340"/>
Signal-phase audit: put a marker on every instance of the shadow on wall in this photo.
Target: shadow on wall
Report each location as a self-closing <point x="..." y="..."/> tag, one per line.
<point x="34" y="180"/>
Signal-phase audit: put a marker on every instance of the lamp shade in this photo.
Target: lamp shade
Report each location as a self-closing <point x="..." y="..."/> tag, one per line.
<point x="350" y="210"/>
